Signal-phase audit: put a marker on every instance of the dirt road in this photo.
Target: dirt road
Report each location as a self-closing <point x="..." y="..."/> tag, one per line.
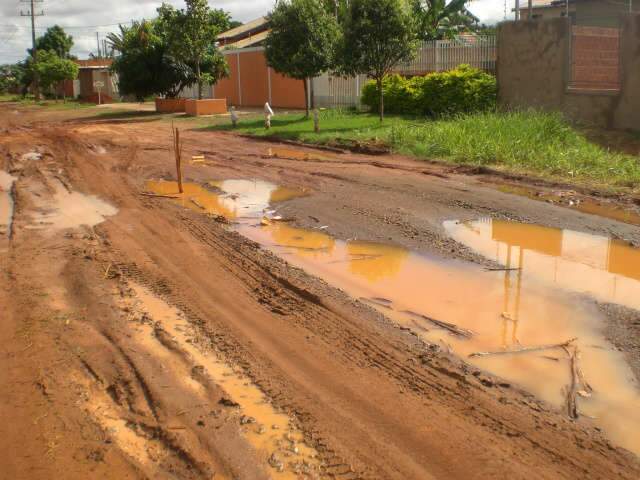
<point x="141" y="338"/>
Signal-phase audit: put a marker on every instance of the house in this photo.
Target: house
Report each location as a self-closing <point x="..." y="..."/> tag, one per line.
<point x="93" y="73"/>
<point x="596" y="13"/>
<point x="251" y="81"/>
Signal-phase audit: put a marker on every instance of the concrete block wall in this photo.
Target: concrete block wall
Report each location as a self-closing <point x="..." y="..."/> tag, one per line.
<point x="534" y="71"/>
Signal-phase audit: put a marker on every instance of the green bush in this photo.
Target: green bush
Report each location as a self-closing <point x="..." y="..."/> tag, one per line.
<point x="462" y="90"/>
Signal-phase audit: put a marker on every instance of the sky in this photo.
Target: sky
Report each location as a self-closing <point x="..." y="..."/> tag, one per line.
<point x="83" y="19"/>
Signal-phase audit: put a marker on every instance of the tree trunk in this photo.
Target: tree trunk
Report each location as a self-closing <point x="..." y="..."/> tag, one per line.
<point x="306" y="98"/>
<point x="379" y="81"/>
<point x="312" y="94"/>
<point x="199" y="82"/>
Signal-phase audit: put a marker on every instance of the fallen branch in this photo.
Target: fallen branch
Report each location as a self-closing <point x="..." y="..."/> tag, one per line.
<point x="525" y="349"/>
<point x="572" y="389"/>
<point x="502" y="269"/>
<point x="149" y="194"/>
<point x="450" y="327"/>
<point x="197" y="203"/>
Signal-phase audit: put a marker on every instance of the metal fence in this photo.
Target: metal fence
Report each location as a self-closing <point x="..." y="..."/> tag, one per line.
<point x="432" y="56"/>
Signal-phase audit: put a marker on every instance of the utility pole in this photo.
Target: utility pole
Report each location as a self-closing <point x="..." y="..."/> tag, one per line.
<point x="98" y="41"/>
<point x="32" y="13"/>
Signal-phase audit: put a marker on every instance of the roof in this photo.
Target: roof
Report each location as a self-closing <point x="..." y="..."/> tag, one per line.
<point x="245" y="29"/>
<point x="251" y="41"/>
<point x="95" y="63"/>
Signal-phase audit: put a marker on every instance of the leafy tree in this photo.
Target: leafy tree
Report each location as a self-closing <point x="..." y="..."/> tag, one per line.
<point x="378" y="34"/>
<point x="52" y="69"/>
<point x="438" y="19"/>
<point x="302" y="40"/>
<point x="144" y="65"/>
<point x="11" y="77"/>
<point x="191" y="34"/>
<point x="56" y="39"/>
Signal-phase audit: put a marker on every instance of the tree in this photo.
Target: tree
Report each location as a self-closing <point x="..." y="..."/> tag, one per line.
<point x="52" y="69"/>
<point x="56" y="39"/>
<point x="438" y="19"/>
<point x="11" y="77"/>
<point x="144" y="65"/>
<point x="302" y="40"/>
<point x="378" y="34"/>
<point x="191" y="36"/>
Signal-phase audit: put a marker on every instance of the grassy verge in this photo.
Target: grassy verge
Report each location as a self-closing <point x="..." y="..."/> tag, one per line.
<point x="536" y="143"/>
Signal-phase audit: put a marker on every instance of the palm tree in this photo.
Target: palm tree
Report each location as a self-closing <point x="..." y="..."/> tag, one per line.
<point x="438" y="19"/>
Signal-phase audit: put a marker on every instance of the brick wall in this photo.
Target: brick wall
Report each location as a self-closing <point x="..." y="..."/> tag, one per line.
<point x="595" y="58"/>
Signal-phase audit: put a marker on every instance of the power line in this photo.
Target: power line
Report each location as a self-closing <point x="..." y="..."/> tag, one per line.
<point x="32" y="13"/>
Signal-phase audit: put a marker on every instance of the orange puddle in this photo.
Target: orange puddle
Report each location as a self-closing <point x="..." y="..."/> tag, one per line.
<point x="536" y="305"/>
<point x="292" y="154"/>
<point x="233" y="199"/>
<point x="582" y="204"/>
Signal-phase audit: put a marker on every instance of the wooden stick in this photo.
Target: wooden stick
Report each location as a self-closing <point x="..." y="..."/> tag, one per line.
<point x="524" y="349"/>
<point x="179" y="160"/>
<point x="505" y="269"/>
<point x="450" y="327"/>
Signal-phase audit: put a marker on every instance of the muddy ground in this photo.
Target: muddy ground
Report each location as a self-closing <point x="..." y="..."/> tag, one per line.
<point x="97" y="383"/>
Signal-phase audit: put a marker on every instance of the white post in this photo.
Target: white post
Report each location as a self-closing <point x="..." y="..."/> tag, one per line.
<point x="269" y="84"/>
<point x="518" y="9"/>
<point x="357" y="102"/>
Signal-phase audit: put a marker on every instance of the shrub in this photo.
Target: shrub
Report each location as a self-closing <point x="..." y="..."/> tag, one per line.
<point x="461" y="90"/>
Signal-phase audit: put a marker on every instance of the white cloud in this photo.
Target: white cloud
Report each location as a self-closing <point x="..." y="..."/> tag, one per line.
<point x="15" y="30"/>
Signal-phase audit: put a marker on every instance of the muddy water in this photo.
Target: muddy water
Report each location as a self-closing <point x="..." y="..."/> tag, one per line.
<point x="273" y="435"/>
<point x="67" y="209"/>
<point x="536" y="305"/>
<point x="233" y="199"/>
<point x="292" y="154"/>
<point x="584" y="205"/>
<point x="6" y="202"/>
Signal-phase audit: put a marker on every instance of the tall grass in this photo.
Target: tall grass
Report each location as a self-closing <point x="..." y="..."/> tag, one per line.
<point x="531" y="141"/>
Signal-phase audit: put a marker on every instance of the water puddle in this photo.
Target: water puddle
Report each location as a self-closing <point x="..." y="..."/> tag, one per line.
<point x="279" y="444"/>
<point x="571" y="200"/>
<point x="6" y="202"/>
<point x="608" y="270"/>
<point x="233" y="199"/>
<point x="70" y="209"/>
<point x="292" y="154"/>
<point x="467" y="309"/>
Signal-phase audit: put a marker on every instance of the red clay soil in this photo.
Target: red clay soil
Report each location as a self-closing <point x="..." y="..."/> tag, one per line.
<point x="92" y="388"/>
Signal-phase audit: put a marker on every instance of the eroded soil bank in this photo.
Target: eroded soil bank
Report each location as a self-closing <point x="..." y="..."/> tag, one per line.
<point x="144" y="338"/>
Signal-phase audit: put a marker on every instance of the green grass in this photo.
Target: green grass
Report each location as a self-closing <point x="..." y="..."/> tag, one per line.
<point x="531" y="142"/>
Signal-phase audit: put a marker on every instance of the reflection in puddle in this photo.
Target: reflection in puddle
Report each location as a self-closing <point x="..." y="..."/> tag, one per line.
<point x="275" y="438"/>
<point x="607" y="269"/>
<point x="503" y="309"/>
<point x="584" y="205"/>
<point x="6" y="202"/>
<point x="233" y="199"/>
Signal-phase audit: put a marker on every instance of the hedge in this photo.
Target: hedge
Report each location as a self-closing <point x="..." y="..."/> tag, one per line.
<point x="462" y="90"/>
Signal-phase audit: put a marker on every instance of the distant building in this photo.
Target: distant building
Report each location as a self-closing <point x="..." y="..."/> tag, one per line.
<point x="93" y="72"/>
<point x="251" y="81"/>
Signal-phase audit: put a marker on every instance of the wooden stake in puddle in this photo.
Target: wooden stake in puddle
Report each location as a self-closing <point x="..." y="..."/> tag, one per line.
<point x="177" y="148"/>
